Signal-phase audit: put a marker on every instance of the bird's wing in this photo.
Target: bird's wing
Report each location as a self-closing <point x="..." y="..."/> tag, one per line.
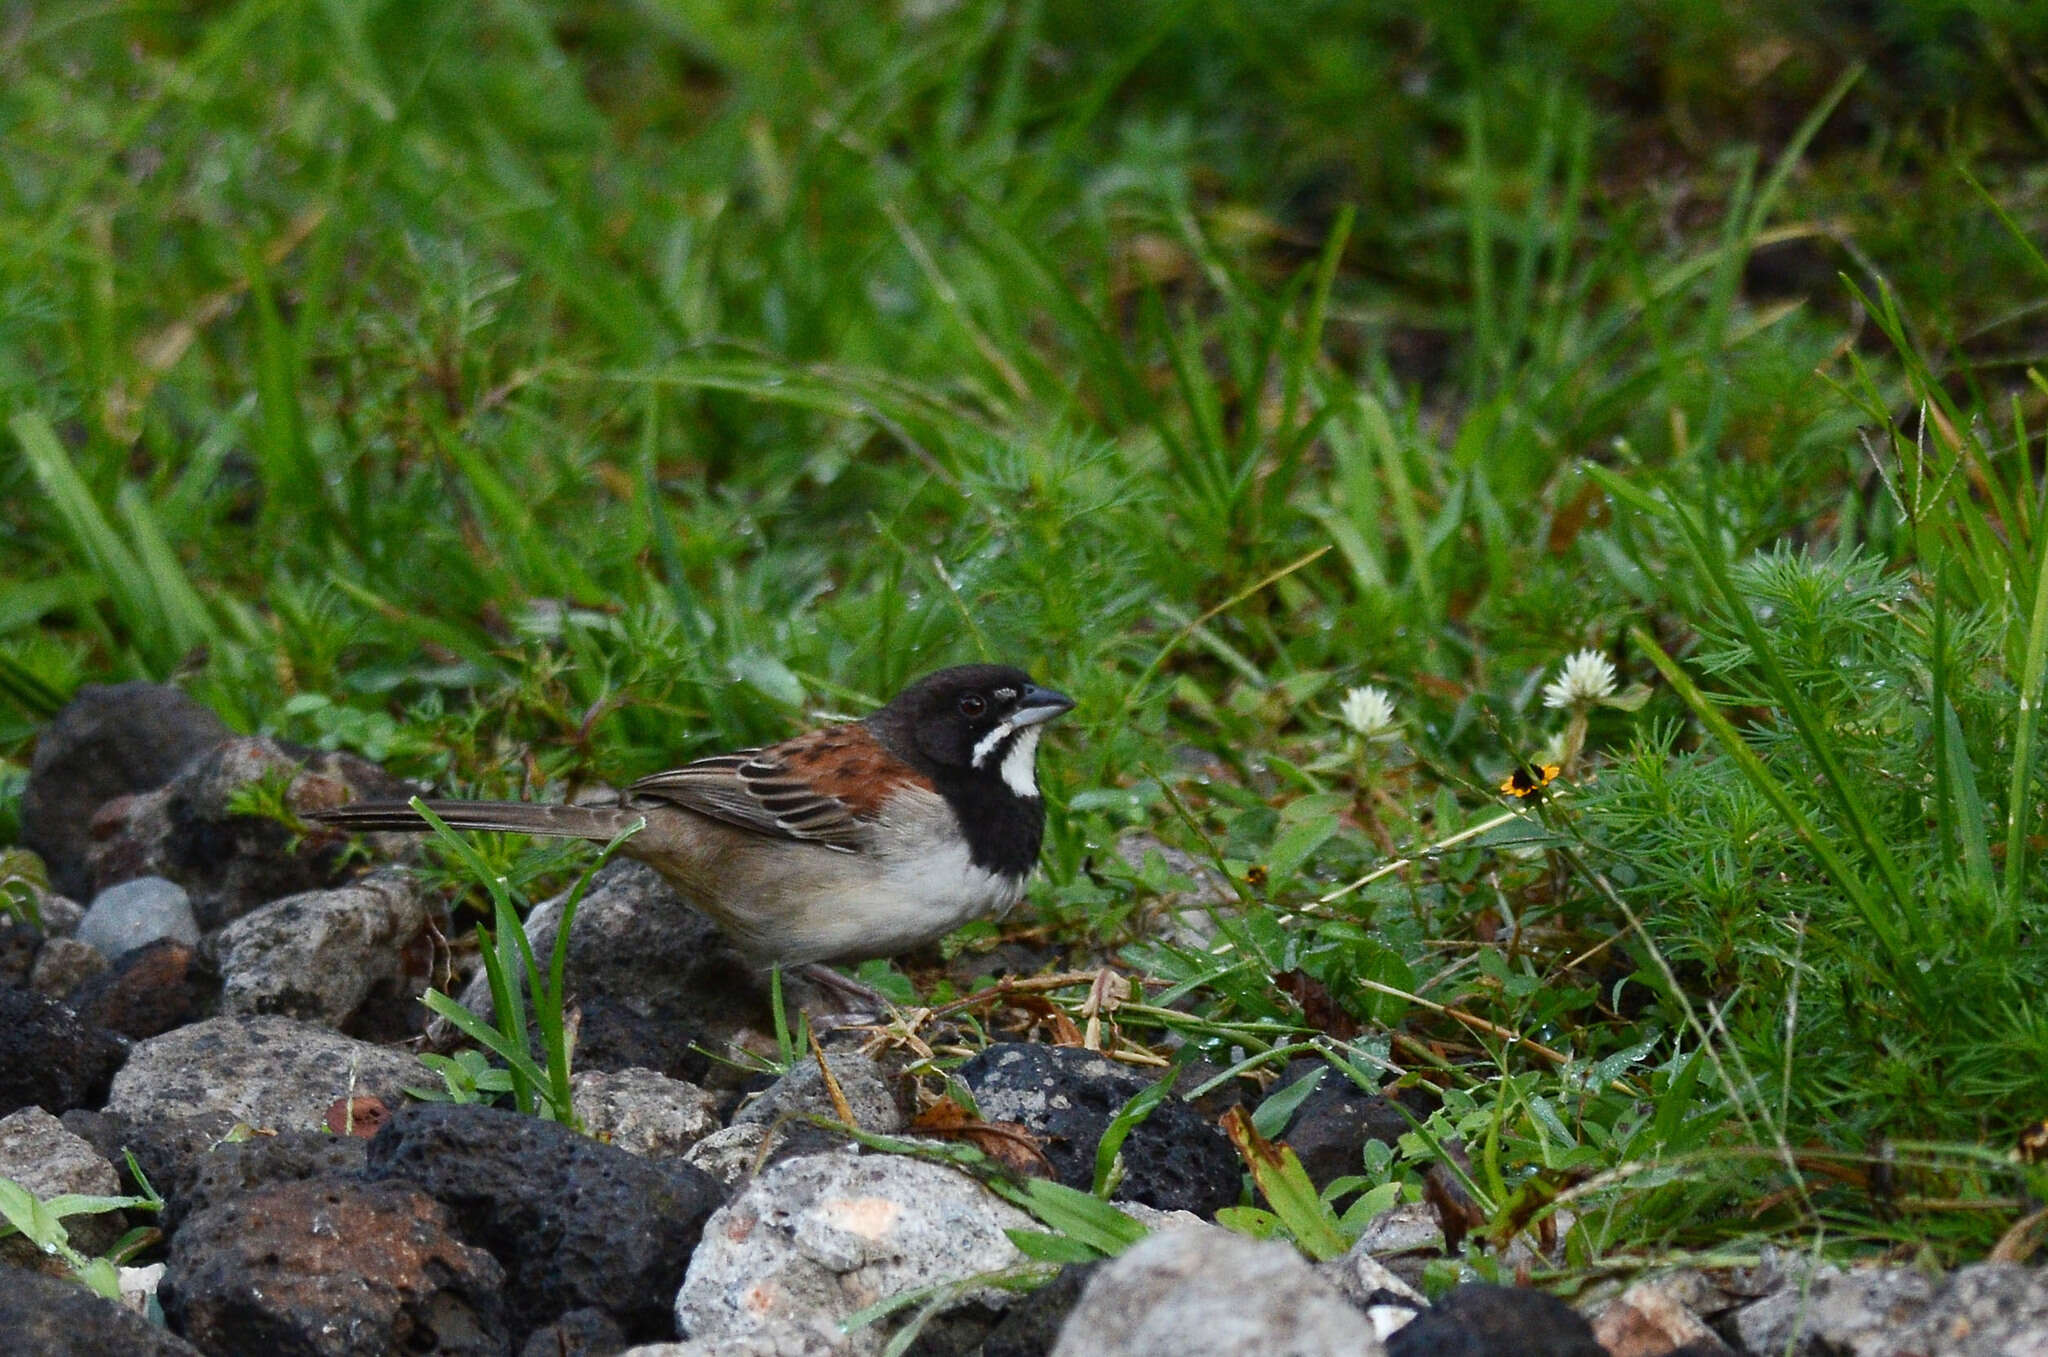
<point x="818" y="788"/>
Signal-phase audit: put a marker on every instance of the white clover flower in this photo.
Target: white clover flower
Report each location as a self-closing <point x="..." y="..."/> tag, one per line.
<point x="1587" y="678"/>
<point x="1369" y="711"/>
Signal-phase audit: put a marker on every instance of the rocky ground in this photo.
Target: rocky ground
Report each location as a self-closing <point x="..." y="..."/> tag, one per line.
<point x="239" y="1012"/>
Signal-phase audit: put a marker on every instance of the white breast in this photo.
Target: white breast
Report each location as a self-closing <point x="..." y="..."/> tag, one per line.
<point x="913" y="885"/>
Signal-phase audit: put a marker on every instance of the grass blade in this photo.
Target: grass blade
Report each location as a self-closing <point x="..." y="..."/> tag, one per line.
<point x="94" y="539"/>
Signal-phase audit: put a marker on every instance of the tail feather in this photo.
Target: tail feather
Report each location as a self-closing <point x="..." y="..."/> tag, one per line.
<point x="512" y="817"/>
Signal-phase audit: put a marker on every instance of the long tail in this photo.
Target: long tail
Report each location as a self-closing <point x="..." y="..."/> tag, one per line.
<point x="513" y="817"/>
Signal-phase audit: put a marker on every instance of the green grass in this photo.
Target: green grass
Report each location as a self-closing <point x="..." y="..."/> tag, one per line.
<point x="530" y="395"/>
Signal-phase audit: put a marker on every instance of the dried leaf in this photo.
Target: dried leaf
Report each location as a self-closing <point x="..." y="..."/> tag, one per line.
<point x="1287" y="1188"/>
<point x="362" y="1116"/>
<point x="1009" y="1143"/>
<point x="1318" y="1006"/>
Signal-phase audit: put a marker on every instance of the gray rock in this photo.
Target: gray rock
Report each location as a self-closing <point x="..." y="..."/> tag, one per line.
<point x="38" y="1153"/>
<point x="109" y="740"/>
<point x="1192" y="1293"/>
<point x="643" y="1112"/>
<point x="191" y="831"/>
<point x="776" y="1124"/>
<point x="136" y="913"/>
<point x="1182" y="892"/>
<point x="730" y="1155"/>
<point x="60" y="915"/>
<point x="138" y="1286"/>
<point x="802" y="1092"/>
<point x="777" y="1338"/>
<point x="63" y="964"/>
<point x="273" y="1073"/>
<point x="324" y="954"/>
<point x="1403" y="1238"/>
<point x="50" y="1317"/>
<point x="1983" y="1310"/>
<point x="1836" y="1312"/>
<point x="1376" y="1289"/>
<point x="1154" y="1219"/>
<point x="334" y="1268"/>
<point x="1649" y="1320"/>
<point x="824" y="1236"/>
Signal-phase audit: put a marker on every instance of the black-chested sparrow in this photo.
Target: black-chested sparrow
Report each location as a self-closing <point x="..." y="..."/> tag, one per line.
<point x="854" y="841"/>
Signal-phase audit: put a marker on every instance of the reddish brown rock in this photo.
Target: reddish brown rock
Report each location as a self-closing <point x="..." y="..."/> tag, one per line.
<point x="333" y="1267"/>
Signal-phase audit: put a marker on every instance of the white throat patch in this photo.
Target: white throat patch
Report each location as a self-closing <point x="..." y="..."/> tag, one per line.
<point x="1019" y="772"/>
<point x="989" y="743"/>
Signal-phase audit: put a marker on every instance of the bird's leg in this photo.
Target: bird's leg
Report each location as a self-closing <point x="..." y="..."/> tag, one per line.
<point x="871" y="1003"/>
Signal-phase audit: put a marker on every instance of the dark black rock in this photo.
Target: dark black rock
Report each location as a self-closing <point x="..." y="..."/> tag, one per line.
<point x="337" y="1268"/>
<point x="1481" y="1320"/>
<point x="1329" y="1130"/>
<point x="1031" y="1326"/>
<point x="579" y="1333"/>
<point x="148" y="991"/>
<point x="168" y="1150"/>
<point x="1213" y="1104"/>
<point x="18" y="946"/>
<point x="42" y="1316"/>
<point x="575" y="1222"/>
<point x="1173" y="1160"/>
<point x="49" y="1058"/>
<point x="614" y="1037"/>
<point x="228" y="1169"/>
<point x="108" y="741"/>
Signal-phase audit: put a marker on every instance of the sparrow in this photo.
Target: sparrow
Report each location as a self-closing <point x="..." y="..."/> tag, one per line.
<point x="853" y="841"/>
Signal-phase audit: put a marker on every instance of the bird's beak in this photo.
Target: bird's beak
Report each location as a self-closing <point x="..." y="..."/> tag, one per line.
<point x="1039" y="705"/>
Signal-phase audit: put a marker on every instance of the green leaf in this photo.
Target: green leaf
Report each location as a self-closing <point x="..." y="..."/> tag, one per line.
<point x="1080" y="1215"/>
<point x="26" y="1213"/>
<point x="23" y="602"/>
<point x="103" y="1277"/>
<point x="1051" y="1248"/>
<point x="1367" y="1207"/>
<point x="1251" y="1221"/>
<point x="483" y="1034"/>
<point x="1140" y="1106"/>
<point x="1289" y="1192"/>
<point x="1306" y="824"/>
<point x="1278" y="1108"/>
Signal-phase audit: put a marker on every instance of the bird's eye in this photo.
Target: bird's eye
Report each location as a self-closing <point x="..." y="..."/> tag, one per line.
<point x="972" y="705"/>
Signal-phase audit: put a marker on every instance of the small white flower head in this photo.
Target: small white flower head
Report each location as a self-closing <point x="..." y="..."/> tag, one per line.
<point x="1587" y="678"/>
<point x="1368" y="711"/>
